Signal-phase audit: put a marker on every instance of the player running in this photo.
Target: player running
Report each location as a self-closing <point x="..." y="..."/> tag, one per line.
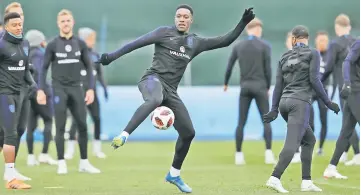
<point x="175" y="47"/>
<point x="297" y="77"/>
<point x="351" y="110"/>
<point x="254" y="58"/>
<point x="37" y="48"/>
<point x="337" y="53"/>
<point x="14" y="77"/>
<point x="89" y="36"/>
<point x="68" y="55"/>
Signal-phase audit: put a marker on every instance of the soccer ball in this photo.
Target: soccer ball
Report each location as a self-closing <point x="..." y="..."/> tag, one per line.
<point x="162" y="118"/>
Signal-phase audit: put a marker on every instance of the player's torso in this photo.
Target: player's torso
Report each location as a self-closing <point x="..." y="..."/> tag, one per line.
<point x="172" y="55"/>
<point x="67" y="61"/>
<point x="295" y="71"/>
<point x="13" y="60"/>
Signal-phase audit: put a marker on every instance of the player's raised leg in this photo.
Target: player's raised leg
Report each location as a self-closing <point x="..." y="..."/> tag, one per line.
<point x="152" y="92"/>
<point x="183" y="125"/>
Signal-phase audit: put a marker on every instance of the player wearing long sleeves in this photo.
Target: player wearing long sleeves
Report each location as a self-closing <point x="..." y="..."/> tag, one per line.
<point x="351" y="111"/>
<point x="36" y="56"/>
<point x="68" y="55"/>
<point x="254" y="59"/>
<point x="14" y="77"/>
<point x="297" y="77"/>
<point x="337" y="53"/>
<point x="174" y="48"/>
<point x="89" y="36"/>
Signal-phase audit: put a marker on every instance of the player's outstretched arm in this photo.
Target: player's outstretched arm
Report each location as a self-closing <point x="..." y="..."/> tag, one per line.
<point x="316" y="82"/>
<point x="147" y="39"/>
<point x="206" y="44"/>
<point x="330" y="60"/>
<point x="231" y="61"/>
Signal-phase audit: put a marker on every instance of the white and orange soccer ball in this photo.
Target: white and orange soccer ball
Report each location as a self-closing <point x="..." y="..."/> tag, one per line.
<point x="162" y="118"/>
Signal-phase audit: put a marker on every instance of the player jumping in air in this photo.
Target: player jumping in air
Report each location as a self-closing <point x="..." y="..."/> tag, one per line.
<point x="174" y="48"/>
<point x="297" y="77"/>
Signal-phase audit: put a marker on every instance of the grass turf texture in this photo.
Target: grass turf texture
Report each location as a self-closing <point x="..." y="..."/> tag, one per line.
<point x="139" y="168"/>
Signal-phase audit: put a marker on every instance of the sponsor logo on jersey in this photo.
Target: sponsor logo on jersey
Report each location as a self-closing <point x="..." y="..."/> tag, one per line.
<point x="61" y="55"/>
<point x="68" y="48"/>
<point x="14" y="68"/>
<point x="68" y="61"/>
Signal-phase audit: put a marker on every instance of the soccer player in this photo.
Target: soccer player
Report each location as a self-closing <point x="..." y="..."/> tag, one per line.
<point x="351" y="111"/>
<point x="25" y="92"/>
<point x="89" y="36"/>
<point x="37" y="48"/>
<point x="337" y="53"/>
<point x="68" y="55"/>
<point x="254" y="58"/>
<point x="175" y="47"/>
<point x="14" y="77"/>
<point x="297" y="77"/>
<point x="321" y="45"/>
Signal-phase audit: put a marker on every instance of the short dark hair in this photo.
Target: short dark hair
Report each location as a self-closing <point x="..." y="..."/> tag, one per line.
<point x="300" y="32"/>
<point x="10" y="16"/>
<point x="321" y="32"/>
<point x="185" y="6"/>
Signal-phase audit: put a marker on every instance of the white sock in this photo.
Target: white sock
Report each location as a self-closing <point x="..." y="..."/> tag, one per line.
<point x="61" y="162"/>
<point x="333" y="167"/>
<point x="239" y="153"/>
<point x="84" y="161"/>
<point x="10" y="171"/>
<point x="124" y="133"/>
<point x="96" y="146"/>
<point x="269" y="151"/>
<point x="174" y="172"/>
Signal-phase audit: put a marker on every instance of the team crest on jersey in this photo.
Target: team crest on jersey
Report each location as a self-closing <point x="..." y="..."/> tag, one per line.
<point x="190" y="41"/>
<point x="182" y="49"/>
<point x="21" y="62"/>
<point x="56" y="99"/>
<point x="68" y="48"/>
<point x="26" y="50"/>
<point x="12" y="108"/>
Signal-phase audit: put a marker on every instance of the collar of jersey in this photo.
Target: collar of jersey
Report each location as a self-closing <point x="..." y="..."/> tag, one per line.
<point x="12" y="39"/>
<point x="300" y="45"/>
<point x="65" y="38"/>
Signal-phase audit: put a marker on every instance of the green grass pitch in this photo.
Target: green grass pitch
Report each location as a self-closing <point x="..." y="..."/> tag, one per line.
<point x="139" y="168"/>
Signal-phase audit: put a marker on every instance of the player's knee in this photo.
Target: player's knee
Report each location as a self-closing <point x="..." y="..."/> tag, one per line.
<point x="11" y="139"/>
<point x="155" y="101"/>
<point x="189" y="136"/>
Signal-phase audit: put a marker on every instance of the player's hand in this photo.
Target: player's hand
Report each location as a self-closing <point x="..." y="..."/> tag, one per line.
<point x="32" y="90"/>
<point x="334" y="107"/>
<point x="346" y="90"/>
<point x="106" y="94"/>
<point x="41" y="97"/>
<point x="104" y="59"/>
<point x="225" y="88"/>
<point x="270" y="116"/>
<point x="89" y="96"/>
<point x="248" y="15"/>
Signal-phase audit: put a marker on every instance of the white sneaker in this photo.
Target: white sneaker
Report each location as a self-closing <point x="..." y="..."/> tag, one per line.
<point x="308" y="186"/>
<point x="343" y="158"/>
<point x="32" y="160"/>
<point x="275" y="184"/>
<point x="62" y="168"/>
<point x="46" y="158"/>
<point x="239" y="158"/>
<point x="70" y="149"/>
<point x="269" y="157"/>
<point x="331" y="172"/>
<point x="355" y="161"/>
<point x="15" y="174"/>
<point x="85" y="166"/>
<point x="97" y="149"/>
<point x="296" y="158"/>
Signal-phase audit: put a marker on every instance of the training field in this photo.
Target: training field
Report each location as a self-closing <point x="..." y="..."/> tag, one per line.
<point x="139" y="168"/>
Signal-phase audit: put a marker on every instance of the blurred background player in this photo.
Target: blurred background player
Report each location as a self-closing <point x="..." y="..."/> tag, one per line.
<point x="1" y="26"/>
<point x="89" y="36"/>
<point x="68" y="55"/>
<point x="14" y="77"/>
<point x="254" y="58"/>
<point x="36" y="56"/>
<point x="351" y="111"/>
<point x="337" y="53"/>
<point x="321" y="42"/>
<point x="297" y="77"/>
<point x="297" y="156"/>
<point x="173" y="52"/>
